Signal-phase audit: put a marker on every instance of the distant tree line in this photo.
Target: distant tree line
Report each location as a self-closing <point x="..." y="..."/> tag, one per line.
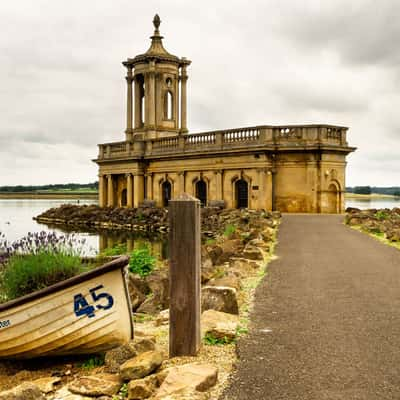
<point x="55" y="187"/>
<point x="394" y="190"/>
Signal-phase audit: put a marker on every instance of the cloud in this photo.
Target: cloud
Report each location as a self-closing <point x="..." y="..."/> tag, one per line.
<point x="264" y="62"/>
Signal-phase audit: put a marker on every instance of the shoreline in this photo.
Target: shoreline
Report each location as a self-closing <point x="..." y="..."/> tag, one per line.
<point x="49" y="196"/>
<point x="371" y="196"/>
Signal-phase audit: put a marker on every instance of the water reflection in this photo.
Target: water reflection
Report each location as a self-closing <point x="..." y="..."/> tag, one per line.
<point x="157" y="245"/>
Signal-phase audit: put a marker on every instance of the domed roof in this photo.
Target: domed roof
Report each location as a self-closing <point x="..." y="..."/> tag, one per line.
<point x="156" y="50"/>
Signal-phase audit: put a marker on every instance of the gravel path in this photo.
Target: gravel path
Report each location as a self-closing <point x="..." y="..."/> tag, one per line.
<point x="326" y="321"/>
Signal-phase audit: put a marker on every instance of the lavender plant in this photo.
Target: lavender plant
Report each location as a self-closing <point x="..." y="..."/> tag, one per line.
<point x="38" y="260"/>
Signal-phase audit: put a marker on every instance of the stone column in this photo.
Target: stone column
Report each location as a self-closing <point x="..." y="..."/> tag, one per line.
<point x="183" y="78"/>
<point x="270" y="190"/>
<point x="129" y="105"/>
<point x="149" y="186"/>
<point x="129" y="190"/>
<point x="110" y="191"/>
<point x="138" y="102"/>
<point x="181" y="182"/>
<point x="218" y="185"/>
<point x="264" y="189"/>
<point x="102" y="191"/>
<point x="151" y="96"/>
<point x="138" y="186"/>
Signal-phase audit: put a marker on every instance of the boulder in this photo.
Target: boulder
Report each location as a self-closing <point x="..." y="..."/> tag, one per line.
<point x="230" y="248"/>
<point x="139" y="389"/>
<point x="252" y="253"/>
<point x="199" y="377"/>
<point x="116" y="357"/>
<point x="47" y="385"/>
<point x="393" y="235"/>
<point x="162" y="318"/>
<point x="25" y="391"/>
<point x="141" y="366"/>
<point x="215" y="252"/>
<point x="136" y="295"/>
<point x="65" y="394"/>
<point x="207" y="268"/>
<point x="230" y="280"/>
<point x="219" y="298"/>
<point x="219" y="324"/>
<point x="96" y="385"/>
<point x="158" y="283"/>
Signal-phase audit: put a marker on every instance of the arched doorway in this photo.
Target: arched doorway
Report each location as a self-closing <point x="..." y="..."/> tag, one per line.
<point x="124" y="198"/>
<point x="166" y="193"/>
<point x="201" y="192"/>
<point x="242" y="193"/>
<point x="332" y="199"/>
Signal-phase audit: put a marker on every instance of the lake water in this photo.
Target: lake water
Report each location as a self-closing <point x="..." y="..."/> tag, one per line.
<point x="16" y="221"/>
<point x="373" y="203"/>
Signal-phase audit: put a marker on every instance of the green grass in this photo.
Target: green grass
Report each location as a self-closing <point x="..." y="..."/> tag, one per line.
<point x="25" y="274"/>
<point x="229" y="230"/>
<point x="93" y="362"/>
<point x="210" y="340"/>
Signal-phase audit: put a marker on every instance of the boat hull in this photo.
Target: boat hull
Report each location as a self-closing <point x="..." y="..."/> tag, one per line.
<point x="86" y="314"/>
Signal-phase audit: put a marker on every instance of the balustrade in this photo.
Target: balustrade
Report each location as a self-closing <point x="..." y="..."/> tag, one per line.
<point x="230" y="138"/>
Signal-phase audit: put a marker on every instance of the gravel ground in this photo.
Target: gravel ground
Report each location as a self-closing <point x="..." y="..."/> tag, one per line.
<point x="326" y="321"/>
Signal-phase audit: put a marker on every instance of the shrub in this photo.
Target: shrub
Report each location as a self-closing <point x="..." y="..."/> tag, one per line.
<point x="141" y="261"/>
<point x="381" y="215"/>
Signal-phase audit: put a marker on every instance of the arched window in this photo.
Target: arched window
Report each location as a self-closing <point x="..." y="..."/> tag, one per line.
<point x="242" y="193"/>
<point x="168" y="105"/>
<point x="166" y="193"/>
<point x="201" y="192"/>
<point x="124" y="198"/>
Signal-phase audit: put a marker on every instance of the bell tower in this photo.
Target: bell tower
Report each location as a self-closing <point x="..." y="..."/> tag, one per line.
<point x="159" y="96"/>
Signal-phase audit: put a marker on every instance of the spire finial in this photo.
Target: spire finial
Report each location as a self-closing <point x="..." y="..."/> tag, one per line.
<point x="156" y="22"/>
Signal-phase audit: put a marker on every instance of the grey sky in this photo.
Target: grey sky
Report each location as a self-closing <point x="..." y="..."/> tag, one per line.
<point x="260" y="62"/>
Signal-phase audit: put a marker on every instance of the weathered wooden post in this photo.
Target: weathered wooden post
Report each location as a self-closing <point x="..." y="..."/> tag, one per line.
<point x="185" y="259"/>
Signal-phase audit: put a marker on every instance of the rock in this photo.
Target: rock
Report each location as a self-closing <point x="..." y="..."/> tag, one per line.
<point x="228" y="281"/>
<point x="207" y="268"/>
<point x="261" y="244"/>
<point x="46" y="385"/>
<point x="252" y="253"/>
<point x="393" y="235"/>
<point x="96" y="385"/>
<point x="162" y="318"/>
<point x="136" y="295"/>
<point x="25" y="391"/>
<point x="219" y="298"/>
<point x="215" y="252"/>
<point x="115" y="357"/>
<point x="219" y="324"/>
<point x="65" y="394"/>
<point x="141" y="366"/>
<point x="190" y="376"/>
<point x="243" y="266"/>
<point x="139" y="389"/>
<point x="230" y="248"/>
<point x="158" y="283"/>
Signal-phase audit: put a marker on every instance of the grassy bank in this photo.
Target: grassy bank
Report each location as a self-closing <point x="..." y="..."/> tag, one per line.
<point x="61" y="194"/>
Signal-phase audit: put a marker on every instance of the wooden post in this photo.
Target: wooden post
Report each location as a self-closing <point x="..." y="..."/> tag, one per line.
<point x="185" y="255"/>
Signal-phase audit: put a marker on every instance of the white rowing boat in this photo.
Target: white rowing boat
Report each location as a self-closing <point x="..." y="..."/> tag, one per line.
<point x="86" y="314"/>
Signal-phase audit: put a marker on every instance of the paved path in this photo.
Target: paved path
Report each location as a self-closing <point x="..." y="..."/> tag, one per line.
<point x="326" y="324"/>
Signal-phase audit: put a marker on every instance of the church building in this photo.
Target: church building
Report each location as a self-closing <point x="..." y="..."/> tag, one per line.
<point x="291" y="168"/>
